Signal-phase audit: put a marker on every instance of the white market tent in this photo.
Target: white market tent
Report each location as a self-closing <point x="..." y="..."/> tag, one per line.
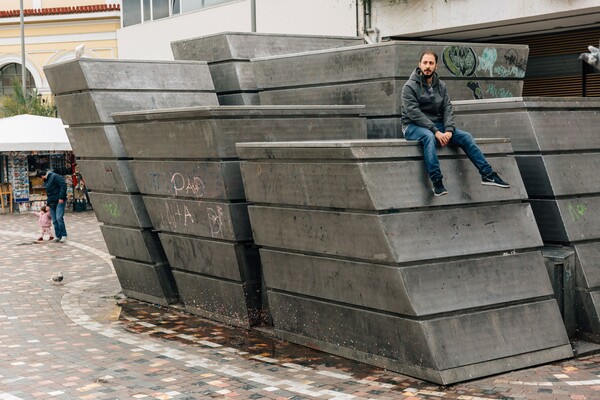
<point x="33" y="133"/>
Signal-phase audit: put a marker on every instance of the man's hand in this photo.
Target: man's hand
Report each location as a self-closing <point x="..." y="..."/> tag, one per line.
<point x="60" y="201"/>
<point x="443" y="138"/>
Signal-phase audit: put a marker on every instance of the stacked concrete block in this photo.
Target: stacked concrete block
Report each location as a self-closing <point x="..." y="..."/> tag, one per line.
<point x="186" y="167"/>
<point x="87" y="92"/>
<point x="558" y="153"/>
<point x="361" y="260"/>
<point x="228" y="55"/>
<point x="374" y="75"/>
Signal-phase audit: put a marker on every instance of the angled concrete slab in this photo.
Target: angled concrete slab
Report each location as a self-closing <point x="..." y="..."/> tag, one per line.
<point x="228" y="55"/>
<point x="374" y="74"/>
<point x="445" y="275"/>
<point x="86" y="92"/>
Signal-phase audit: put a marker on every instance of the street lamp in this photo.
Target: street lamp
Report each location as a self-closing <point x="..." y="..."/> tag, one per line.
<point x="23" y="70"/>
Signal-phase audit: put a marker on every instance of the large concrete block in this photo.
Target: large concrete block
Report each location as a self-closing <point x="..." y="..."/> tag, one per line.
<point x="418" y="290"/>
<point x="152" y="283"/>
<point x="97" y="106"/>
<point x="444" y="349"/>
<point x="87" y="92"/>
<point x="565" y="174"/>
<point x="374" y="75"/>
<point x="229" y="53"/>
<point x="212" y="132"/>
<point x="386" y="238"/>
<point x="228" y="46"/>
<point x="209" y="219"/>
<point x="446" y="276"/>
<point x="96" y="142"/>
<point x="108" y="175"/>
<point x="128" y="75"/>
<point x="120" y="209"/>
<point x="218" y="259"/>
<point x="133" y="244"/>
<point x="534" y="124"/>
<point x="569" y="220"/>
<point x="382" y="97"/>
<point x="374" y="183"/>
<point x="231" y="302"/>
<point x="458" y="61"/>
<point x="193" y="179"/>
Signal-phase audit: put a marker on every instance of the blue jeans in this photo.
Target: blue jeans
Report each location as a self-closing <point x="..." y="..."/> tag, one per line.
<point x="460" y="138"/>
<point x="57" y="213"/>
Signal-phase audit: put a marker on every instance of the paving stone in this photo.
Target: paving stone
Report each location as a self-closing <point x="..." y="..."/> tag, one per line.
<point x="83" y="340"/>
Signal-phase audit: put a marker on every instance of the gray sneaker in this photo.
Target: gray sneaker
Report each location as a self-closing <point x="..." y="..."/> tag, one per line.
<point x="63" y="239"/>
<point x="57" y="240"/>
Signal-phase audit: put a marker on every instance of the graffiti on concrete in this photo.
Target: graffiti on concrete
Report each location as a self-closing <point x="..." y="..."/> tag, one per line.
<point x="459" y="60"/>
<point x="215" y="221"/>
<point x="487" y="60"/>
<point x="498" y="92"/>
<point x="463" y="61"/>
<point x="476" y="89"/>
<point x="193" y="185"/>
<point x="577" y="211"/>
<point x="175" y="215"/>
<point x="112" y="209"/>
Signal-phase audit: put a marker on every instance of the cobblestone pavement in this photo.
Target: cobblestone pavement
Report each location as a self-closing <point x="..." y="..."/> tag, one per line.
<point x="82" y="340"/>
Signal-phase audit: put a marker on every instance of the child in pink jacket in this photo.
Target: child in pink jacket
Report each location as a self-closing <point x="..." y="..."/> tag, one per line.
<point x="45" y="222"/>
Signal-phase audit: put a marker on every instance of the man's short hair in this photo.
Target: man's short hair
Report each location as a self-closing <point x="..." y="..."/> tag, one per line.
<point x="430" y="52"/>
<point x="41" y="173"/>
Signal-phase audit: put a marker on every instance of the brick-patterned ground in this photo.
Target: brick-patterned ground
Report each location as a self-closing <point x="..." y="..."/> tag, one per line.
<point x="83" y="340"/>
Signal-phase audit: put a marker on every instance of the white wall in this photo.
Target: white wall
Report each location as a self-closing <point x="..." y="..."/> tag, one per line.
<point x="151" y="40"/>
<point x="468" y="17"/>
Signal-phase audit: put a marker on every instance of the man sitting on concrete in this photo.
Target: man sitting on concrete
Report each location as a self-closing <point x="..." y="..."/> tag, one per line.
<point x="427" y="117"/>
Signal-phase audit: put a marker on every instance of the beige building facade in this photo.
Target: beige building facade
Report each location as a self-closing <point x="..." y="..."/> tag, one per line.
<point x="53" y="29"/>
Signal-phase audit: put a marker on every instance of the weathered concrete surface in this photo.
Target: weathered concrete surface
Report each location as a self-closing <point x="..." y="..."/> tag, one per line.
<point x="194" y="179"/>
<point x="133" y="244"/>
<point x="87" y="91"/>
<point x="367" y="185"/>
<point x="228" y="55"/>
<point x="445" y="289"/>
<point x="212" y="132"/>
<point x="558" y="154"/>
<point x="108" y="175"/>
<point x="120" y="209"/>
<point x="374" y="75"/>
<point x="100" y="141"/>
<point x="186" y="167"/>
<point x="147" y="282"/>
<point x="414" y="289"/>
<point x="444" y="350"/>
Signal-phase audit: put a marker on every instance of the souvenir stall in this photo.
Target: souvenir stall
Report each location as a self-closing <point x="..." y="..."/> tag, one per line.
<point x="30" y="143"/>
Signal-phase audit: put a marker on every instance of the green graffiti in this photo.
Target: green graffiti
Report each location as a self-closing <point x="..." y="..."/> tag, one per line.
<point x="112" y="209"/>
<point x="577" y="211"/>
<point x="498" y="92"/>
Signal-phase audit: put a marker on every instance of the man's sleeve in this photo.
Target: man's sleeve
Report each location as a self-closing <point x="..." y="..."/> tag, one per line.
<point x="448" y="113"/>
<point x="413" y="110"/>
<point x="62" y="194"/>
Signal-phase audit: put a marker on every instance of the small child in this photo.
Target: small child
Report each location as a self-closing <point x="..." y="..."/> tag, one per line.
<point x="45" y="222"/>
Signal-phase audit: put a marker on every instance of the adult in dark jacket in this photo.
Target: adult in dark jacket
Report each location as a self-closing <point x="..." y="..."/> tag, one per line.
<point x="56" y="189"/>
<point x="427" y="117"/>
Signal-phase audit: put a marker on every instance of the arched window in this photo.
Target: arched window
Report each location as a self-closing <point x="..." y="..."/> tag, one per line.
<point x="11" y="72"/>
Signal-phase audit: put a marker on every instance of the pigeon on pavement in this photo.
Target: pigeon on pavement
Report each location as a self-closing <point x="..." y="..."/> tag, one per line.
<point x="58" y="278"/>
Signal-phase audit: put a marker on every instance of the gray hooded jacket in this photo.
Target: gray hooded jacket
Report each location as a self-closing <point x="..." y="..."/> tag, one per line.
<point x="424" y="105"/>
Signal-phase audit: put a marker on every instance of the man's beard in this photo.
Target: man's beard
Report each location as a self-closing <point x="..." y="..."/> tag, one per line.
<point x="427" y="75"/>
